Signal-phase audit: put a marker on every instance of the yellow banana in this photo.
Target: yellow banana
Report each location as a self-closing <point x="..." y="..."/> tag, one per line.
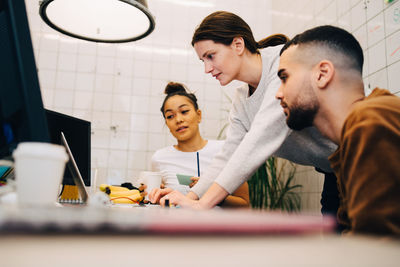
<point x="121" y="195"/>
<point x="122" y="201"/>
<point x="103" y="187"/>
<point x="133" y="197"/>
<point x="124" y="193"/>
<point x="125" y="200"/>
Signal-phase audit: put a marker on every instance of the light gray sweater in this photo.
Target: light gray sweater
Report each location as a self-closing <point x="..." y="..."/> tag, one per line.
<point x="257" y="130"/>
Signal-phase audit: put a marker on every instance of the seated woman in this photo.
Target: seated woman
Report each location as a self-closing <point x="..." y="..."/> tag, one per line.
<point x="192" y="152"/>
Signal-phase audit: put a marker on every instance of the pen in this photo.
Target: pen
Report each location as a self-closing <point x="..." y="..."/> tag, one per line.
<point x="198" y="165"/>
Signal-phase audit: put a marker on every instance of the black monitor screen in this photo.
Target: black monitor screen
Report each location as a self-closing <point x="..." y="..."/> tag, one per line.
<point x="22" y="116"/>
<point x="77" y="133"/>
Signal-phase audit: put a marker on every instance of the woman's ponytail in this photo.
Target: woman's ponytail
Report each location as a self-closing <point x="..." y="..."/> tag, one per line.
<point x="273" y="40"/>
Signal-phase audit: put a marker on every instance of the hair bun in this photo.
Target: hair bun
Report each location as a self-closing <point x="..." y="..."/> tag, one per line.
<point x="173" y="87"/>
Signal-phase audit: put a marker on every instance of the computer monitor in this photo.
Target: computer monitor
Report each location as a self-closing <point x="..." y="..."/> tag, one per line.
<point x="77" y="133"/>
<point x="22" y="117"/>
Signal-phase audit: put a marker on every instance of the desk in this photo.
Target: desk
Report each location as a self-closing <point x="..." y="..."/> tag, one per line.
<point x="204" y="251"/>
<point x="141" y="239"/>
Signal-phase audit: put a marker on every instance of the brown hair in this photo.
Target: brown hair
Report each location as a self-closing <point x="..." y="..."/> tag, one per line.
<point x="222" y="27"/>
<point x="174" y="88"/>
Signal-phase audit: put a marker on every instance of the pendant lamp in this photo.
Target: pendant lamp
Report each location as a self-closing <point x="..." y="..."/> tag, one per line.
<point x="106" y="21"/>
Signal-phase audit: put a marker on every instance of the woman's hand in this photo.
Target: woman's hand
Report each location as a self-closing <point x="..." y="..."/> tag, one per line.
<point x="157" y="193"/>
<point x="142" y="188"/>
<point x="194" y="181"/>
<point x="176" y="198"/>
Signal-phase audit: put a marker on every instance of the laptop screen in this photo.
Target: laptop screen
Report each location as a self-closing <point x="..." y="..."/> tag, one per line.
<point x="73" y="168"/>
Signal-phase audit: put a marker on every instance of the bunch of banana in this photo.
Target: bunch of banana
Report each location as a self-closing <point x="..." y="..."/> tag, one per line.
<point x="121" y="195"/>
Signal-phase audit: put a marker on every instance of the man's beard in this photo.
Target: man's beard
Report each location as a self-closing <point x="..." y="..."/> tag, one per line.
<point x="301" y="117"/>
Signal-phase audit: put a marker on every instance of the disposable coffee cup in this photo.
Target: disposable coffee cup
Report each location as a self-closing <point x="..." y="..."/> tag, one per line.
<point x="151" y="180"/>
<point x="39" y="169"/>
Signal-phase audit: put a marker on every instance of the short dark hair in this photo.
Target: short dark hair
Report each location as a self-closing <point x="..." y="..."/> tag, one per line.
<point x="174" y="88"/>
<point x="337" y="39"/>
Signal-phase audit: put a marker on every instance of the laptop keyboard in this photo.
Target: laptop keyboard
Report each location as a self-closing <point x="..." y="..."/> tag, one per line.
<point x="70" y="201"/>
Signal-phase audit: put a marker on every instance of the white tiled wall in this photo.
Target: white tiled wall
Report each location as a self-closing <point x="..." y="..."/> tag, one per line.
<point x="119" y="87"/>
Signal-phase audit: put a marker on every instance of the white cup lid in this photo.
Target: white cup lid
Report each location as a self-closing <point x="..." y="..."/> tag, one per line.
<point x="40" y="149"/>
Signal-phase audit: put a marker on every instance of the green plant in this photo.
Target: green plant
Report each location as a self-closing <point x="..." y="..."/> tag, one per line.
<point x="270" y="188"/>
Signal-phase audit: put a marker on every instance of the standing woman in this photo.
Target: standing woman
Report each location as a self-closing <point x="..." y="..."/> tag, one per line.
<point x="192" y="152"/>
<point x="257" y="130"/>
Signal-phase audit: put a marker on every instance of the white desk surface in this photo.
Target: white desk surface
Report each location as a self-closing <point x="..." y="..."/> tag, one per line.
<point x="156" y="250"/>
<point x="144" y="249"/>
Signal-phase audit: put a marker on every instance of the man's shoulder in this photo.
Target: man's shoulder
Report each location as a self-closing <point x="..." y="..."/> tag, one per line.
<point x="378" y="108"/>
<point x="381" y="95"/>
<point x="379" y="101"/>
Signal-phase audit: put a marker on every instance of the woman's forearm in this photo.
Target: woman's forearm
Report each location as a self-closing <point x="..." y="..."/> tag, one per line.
<point x="214" y="195"/>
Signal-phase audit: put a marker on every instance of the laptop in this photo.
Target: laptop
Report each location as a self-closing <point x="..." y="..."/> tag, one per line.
<point x="76" y="175"/>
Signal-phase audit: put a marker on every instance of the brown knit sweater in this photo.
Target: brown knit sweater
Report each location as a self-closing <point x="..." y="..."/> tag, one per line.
<point x="367" y="164"/>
